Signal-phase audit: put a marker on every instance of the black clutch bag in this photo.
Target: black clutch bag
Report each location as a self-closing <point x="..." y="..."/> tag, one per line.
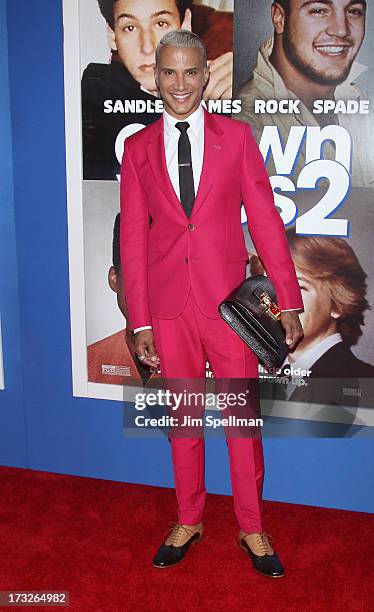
<point x="252" y="312"/>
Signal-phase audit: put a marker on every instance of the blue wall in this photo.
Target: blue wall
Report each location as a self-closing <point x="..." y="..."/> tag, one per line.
<point x="12" y="424"/>
<point x="84" y="436"/>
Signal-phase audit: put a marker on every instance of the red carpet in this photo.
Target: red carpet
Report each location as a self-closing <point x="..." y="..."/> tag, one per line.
<point x="96" y="539"/>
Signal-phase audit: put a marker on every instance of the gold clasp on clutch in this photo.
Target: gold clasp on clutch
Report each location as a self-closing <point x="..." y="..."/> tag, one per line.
<point x="270" y="306"/>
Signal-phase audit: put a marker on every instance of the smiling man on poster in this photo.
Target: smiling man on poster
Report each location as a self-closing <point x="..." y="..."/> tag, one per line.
<point x="134" y="29"/>
<point x="189" y="172"/>
<point x="308" y="74"/>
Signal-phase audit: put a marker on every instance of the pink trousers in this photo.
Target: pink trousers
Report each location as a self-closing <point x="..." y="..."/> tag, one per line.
<point x="183" y="345"/>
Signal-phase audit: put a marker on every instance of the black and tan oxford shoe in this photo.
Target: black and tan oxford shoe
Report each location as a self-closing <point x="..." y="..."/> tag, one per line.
<point x="265" y="560"/>
<point x="176" y="545"/>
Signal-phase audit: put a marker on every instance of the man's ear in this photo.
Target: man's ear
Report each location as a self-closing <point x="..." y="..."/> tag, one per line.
<point x="187" y="21"/>
<point x="113" y="279"/>
<point x="278" y="18"/>
<point x="111" y="38"/>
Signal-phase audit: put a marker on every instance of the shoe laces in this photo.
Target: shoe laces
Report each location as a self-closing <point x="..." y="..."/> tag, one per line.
<point x="176" y="530"/>
<point x="263" y="539"/>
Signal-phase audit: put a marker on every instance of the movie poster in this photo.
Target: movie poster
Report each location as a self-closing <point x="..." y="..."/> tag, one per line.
<point x="304" y="77"/>
<point x="110" y="94"/>
<point x="301" y="75"/>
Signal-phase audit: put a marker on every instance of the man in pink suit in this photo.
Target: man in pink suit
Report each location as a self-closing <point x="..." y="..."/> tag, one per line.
<point x="183" y="251"/>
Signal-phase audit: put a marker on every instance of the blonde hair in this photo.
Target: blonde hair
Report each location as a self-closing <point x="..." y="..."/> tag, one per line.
<point x="333" y="262"/>
<point x="182" y="38"/>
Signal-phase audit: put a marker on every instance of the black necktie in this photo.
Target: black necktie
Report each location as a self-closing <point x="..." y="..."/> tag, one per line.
<point x="186" y="184"/>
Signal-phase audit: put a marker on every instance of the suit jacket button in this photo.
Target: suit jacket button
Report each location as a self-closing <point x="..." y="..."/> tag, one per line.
<point x="191" y="226"/>
<point x="186" y="259"/>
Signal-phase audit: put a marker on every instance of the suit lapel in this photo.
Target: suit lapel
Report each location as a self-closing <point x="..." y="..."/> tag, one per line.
<point x="213" y="153"/>
<point x="157" y="160"/>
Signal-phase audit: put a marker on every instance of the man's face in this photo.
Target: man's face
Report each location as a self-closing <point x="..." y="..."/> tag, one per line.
<point x="318" y="319"/>
<point x="138" y="26"/>
<point x="321" y="39"/>
<point x="181" y="78"/>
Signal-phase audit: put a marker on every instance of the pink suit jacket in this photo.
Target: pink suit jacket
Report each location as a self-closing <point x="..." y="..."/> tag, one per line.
<point x="207" y="251"/>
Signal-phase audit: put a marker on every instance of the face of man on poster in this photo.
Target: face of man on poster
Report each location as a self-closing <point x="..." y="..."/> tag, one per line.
<point x="138" y="25"/>
<point x="316" y="43"/>
<point x="333" y="286"/>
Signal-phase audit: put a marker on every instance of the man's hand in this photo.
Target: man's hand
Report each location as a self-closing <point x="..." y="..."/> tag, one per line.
<point x="220" y="81"/>
<point x="293" y="328"/>
<point x="187" y="21"/>
<point x="145" y="348"/>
